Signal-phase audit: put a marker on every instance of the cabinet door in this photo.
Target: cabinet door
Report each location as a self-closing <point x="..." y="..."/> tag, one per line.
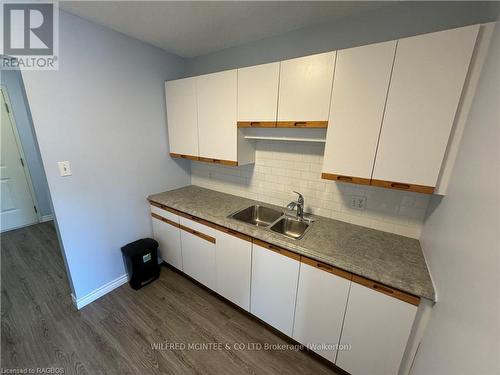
<point x="305" y="88"/>
<point x="198" y="258"/>
<point x="217" y="115"/>
<point x="360" y="87"/>
<point x="274" y="288"/>
<point x="169" y="240"/>
<point x="321" y="302"/>
<point x="426" y="85"/>
<point x="377" y="328"/>
<point x="182" y="116"/>
<point x="233" y="267"/>
<point x="258" y="93"/>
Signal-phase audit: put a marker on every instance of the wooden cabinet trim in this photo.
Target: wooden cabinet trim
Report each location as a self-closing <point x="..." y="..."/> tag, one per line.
<point x="277" y="249"/>
<point x="163" y="207"/>
<point x="197" y="219"/>
<point x="218" y="161"/>
<point x="183" y="156"/>
<point x="327" y="268"/>
<point x="234" y="233"/>
<point x="198" y="234"/>
<point x="302" y="124"/>
<point x="204" y="160"/>
<point x="395" y="293"/>
<point x="256" y="124"/>
<point x="161" y="218"/>
<point x="380" y="183"/>
<point x="344" y="178"/>
<point x="404" y="186"/>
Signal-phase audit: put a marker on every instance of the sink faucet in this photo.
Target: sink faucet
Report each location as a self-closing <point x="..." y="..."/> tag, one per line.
<point x="299" y="204"/>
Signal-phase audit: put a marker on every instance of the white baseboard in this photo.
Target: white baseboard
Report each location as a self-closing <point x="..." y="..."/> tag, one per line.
<point x="45" y="218"/>
<point x="99" y="292"/>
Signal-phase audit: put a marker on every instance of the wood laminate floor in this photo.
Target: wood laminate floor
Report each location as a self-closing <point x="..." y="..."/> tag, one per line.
<point x="115" y="334"/>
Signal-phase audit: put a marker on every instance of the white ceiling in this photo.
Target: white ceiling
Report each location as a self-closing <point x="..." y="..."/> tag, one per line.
<point x="194" y="28"/>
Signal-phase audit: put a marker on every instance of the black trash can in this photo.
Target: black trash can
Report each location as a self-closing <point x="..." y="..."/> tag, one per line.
<point x="142" y="262"/>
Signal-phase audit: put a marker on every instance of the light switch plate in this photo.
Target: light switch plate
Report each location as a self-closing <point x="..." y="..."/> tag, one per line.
<point x="358" y="202"/>
<point x="64" y="168"/>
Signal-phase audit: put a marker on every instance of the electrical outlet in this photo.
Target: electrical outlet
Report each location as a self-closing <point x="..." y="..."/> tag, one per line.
<point x="358" y="202"/>
<point x="64" y="168"/>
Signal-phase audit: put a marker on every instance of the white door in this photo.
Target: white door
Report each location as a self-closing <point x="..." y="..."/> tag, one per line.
<point x="182" y="116"/>
<point x="217" y="125"/>
<point x="233" y="267"/>
<point x="274" y="288"/>
<point x="319" y="313"/>
<point x="305" y="88"/>
<point x="169" y="239"/>
<point x="360" y="87"/>
<point x="17" y="205"/>
<point x="427" y="80"/>
<point x="258" y="93"/>
<point x="377" y="328"/>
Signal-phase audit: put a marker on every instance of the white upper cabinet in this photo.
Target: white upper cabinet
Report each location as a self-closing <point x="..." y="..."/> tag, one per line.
<point x="258" y="93"/>
<point x="321" y="302"/>
<point x="377" y="328"/>
<point x="426" y="85"/>
<point x="182" y="116"/>
<point x="217" y="115"/>
<point x="360" y="85"/>
<point x="305" y="88"/>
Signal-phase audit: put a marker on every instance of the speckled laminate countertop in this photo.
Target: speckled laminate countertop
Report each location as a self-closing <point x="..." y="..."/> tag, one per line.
<point x="387" y="258"/>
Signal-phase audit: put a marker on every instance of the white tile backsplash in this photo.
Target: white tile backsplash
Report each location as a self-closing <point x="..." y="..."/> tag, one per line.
<point x="281" y="167"/>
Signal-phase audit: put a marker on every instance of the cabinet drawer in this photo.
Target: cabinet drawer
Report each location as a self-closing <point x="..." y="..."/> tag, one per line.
<point x="198" y="225"/>
<point x="165" y="214"/>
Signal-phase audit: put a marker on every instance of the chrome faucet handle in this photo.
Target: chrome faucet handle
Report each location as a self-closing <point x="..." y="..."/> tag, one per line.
<point x="300" y="200"/>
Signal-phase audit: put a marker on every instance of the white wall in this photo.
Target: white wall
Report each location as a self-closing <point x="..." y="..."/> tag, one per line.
<point x="461" y="243"/>
<point x="281" y="167"/>
<point x="104" y="111"/>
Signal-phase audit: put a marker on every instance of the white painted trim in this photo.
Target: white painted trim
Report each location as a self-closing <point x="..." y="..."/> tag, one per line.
<point x="99" y="292"/>
<point x="18" y="227"/>
<point x="45" y="218"/>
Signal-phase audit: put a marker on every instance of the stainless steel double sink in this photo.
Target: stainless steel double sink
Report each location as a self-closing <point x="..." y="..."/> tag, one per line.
<point x="277" y="221"/>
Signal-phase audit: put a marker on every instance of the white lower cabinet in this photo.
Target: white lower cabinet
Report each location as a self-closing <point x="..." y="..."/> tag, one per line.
<point x="169" y="241"/>
<point x="166" y="231"/>
<point x="233" y="267"/>
<point x="316" y="304"/>
<point x="377" y="328"/>
<point x="198" y="252"/>
<point x="275" y="275"/>
<point x="321" y="301"/>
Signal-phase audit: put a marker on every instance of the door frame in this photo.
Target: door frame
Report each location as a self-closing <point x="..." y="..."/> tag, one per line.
<point x="4" y="92"/>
